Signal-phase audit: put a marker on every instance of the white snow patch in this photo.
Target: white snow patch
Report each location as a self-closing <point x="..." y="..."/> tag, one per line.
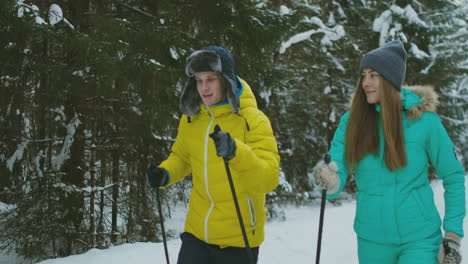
<point x="166" y="138"/>
<point x="284" y="10"/>
<point x="413" y="16"/>
<point x="336" y="62"/>
<point x="120" y="55"/>
<point x="37" y="163"/>
<point x="382" y="24"/>
<point x="174" y="53"/>
<point x="330" y="34"/>
<point x="266" y="96"/>
<point x="55" y="14"/>
<point x="284" y="183"/>
<point x="434" y="54"/>
<point x="332" y="116"/>
<point x="136" y="110"/>
<point x="153" y="61"/>
<point x="64" y="154"/>
<point x="60" y="113"/>
<point x="417" y="52"/>
<point x="39" y="20"/>
<point x="296" y="39"/>
<point x="331" y="19"/>
<point x="82" y="73"/>
<point x="18" y="155"/>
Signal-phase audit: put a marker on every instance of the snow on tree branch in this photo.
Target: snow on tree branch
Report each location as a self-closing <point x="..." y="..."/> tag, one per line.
<point x="420" y="54"/>
<point x="18" y="155"/>
<point x="331" y="34"/>
<point x="55" y="13"/>
<point x="385" y="24"/>
<point x="58" y="160"/>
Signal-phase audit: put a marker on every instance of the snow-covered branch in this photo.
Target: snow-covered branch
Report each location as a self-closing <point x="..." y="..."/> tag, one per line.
<point x="330" y="34"/>
<point x="58" y="160"/>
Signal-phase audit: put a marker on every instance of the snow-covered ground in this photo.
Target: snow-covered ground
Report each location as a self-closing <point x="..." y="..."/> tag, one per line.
<point x="290" y="241"/>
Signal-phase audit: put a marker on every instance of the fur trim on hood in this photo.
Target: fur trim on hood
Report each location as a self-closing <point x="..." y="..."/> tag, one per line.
<point x="428" y="103"/>
<point x="428" y="100"/>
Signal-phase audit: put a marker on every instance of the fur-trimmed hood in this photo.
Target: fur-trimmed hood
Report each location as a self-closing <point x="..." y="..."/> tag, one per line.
<point x="419" y="99"/>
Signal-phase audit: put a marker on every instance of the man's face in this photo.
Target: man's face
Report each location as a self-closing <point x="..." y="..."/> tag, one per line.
<point x="210" y="87"/>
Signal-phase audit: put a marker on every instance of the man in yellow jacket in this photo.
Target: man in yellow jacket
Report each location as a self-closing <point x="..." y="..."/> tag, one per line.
<point x="214" y="95"/>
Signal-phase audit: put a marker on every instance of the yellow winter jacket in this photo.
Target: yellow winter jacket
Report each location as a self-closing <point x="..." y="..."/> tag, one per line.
<point x="255" y="170"/>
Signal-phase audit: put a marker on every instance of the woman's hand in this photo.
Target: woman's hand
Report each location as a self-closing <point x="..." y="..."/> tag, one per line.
<point x="449" y="252"/>
<point x="325" y="177"/>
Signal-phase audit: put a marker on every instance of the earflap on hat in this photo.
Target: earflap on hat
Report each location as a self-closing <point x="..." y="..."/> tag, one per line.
<point x="232" y="89"/>
<point x="190" y="100"/>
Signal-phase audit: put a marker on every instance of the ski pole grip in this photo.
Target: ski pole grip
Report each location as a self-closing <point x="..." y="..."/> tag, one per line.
<point x="327" y="158"/>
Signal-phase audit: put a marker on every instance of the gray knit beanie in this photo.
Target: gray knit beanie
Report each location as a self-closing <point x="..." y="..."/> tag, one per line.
<point x="389" y="61"/>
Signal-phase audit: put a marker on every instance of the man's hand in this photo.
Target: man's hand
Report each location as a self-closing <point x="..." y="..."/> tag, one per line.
<point x="225" y="145"/>
<point x="157" y="177"/>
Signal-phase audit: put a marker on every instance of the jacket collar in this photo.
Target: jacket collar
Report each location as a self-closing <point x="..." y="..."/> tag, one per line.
<point x="416" y="100"/>
<point x="246" y="96"/>
<point x="409" y="99"/>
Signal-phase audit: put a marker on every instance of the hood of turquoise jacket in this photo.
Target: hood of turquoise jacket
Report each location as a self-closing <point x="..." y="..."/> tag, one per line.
<point x="416" y="100"/>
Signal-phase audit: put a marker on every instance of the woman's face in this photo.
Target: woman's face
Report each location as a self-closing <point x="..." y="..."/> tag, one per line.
<point x="371" y="84"/>
<point x="210" y="87"/>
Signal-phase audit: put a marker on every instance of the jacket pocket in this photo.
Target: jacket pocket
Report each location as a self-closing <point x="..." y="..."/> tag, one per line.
<point x="253" y="217"/>
<point x="425" y="200"/>
<point x="368" y="208"/>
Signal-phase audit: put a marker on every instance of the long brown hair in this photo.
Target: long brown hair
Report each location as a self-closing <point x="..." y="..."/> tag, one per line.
<point x="362" y="134"/>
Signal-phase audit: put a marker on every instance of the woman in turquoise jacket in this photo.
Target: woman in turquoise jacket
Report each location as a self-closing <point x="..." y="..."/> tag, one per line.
<point x="388" y="138"/>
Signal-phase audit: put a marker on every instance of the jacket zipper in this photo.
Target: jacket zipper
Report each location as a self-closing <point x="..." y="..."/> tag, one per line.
<point x="253" y="217"/>
<point x="205" y="172"/>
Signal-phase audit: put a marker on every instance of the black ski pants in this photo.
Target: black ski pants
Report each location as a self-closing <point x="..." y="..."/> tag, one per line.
<point x="195" y="251"/>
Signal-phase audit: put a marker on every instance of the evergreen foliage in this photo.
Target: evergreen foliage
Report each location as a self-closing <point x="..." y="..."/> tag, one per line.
<point x="88" y="103"/>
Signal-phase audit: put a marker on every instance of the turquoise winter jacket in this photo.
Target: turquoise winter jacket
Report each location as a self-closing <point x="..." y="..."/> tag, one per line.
<point x="398" y="206"/>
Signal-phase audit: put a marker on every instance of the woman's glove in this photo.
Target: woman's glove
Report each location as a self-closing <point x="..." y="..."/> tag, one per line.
<point x="325" y="177"/>
<point x="449" y="252"/>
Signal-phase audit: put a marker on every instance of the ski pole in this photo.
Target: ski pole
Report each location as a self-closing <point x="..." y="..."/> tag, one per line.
<point x="322" y="214"/>
<point x="162" y="225"/>
<point x="236" y="203"/>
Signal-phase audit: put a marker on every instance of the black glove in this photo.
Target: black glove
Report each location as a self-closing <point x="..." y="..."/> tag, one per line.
<point x="157" y="177"/>
<point x="225" y="145"/>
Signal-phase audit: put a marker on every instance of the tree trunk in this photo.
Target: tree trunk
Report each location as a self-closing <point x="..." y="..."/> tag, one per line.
<point x="115" y="194"/>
